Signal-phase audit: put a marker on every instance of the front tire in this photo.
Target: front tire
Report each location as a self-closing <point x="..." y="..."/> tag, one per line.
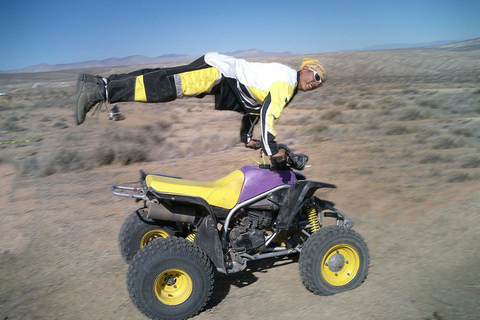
<point x="137" y="231"/>
<point x="334" y="259"/>
<point x="170" y="278"/>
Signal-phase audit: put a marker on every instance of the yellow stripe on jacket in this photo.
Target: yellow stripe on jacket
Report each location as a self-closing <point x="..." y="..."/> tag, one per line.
<point x="280" y="93"/>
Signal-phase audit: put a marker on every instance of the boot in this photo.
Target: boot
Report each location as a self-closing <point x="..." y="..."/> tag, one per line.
<point x="90" y="91"/>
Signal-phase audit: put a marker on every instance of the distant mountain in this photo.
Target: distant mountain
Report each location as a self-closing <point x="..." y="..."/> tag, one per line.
<point x="137" y="60"/>
<point x="391" y="46"/>
<point x="256" y="53"/>
<point x="110" y="62"/>
<point x="465" y="45"/>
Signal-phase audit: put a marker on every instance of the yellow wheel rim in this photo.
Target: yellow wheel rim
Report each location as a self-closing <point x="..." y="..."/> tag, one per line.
<point x="152" y="234"/>
<point x="340" y="265"/>
<point x="173" y="287"/>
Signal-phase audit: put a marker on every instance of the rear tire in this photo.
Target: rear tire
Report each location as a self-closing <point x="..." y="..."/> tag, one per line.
<point x="170" y="278"/>
<point x="334" y="259"/>
<point x="137" y="231"/>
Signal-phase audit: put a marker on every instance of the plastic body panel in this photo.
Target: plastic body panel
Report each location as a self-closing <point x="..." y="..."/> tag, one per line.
<point x="259" y="180"/>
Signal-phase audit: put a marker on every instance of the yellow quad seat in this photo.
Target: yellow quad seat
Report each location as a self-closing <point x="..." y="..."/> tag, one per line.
<point x="222" y="193"/>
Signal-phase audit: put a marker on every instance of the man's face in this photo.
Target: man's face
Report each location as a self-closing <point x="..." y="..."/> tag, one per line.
<point x="307" y="80"/>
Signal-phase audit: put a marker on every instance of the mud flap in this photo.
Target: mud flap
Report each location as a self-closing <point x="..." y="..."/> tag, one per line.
<point x="295" y="199"/>
<point x="208" y="239"/>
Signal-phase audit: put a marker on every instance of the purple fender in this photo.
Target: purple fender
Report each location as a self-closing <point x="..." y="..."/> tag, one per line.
<point x="259" y="180"/>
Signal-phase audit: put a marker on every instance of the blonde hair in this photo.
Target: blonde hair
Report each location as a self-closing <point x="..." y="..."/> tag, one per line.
<point x="315" y="65"/>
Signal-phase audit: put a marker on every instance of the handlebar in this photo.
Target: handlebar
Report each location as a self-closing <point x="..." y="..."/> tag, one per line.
<point x="294" y="160"/>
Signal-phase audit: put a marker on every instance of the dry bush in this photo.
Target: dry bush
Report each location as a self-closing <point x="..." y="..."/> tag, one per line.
<point x="10" y="124"/>
<point x="388" y="105"/>
<point x="28" y="167"/>
<point x="130" y="153"/>
<point x="410" y="91"/>
<point x="356" y="104"/>
<point x="456" y="177"/>
<point x="207" y="145"/>
<point x="447" y="142"/>
<point x="432" y="158"/>
<point x="130" y="145"/>
<point x="372" y="124"/>
<point x="64" y="160"/>
<point x="428" y="103"/>
<point x="390" y="102"/>
<point x="332" y="115"/>
<point x="298" y="121"/>
<point x="67" y="160"/>
<point x="339" y="101"/>
<point x="316" y="128"/>
<point x="164" y="125"/>
<point x="413" y="113"/>
<point x="129" y="135"/>
<point x="148" y="134"/>
<point x="471" y="161"/>
<point x="465" y="131"/>
<point x="398" y="130"/>
<point x="3" y="158"/>
<point x="104" y="155"/>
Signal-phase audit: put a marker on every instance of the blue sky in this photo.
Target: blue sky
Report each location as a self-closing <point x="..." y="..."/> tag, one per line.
<point x="54" y="31"/>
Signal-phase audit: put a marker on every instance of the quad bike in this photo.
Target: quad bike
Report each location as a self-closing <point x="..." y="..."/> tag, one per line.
<point x="186" y="229"/>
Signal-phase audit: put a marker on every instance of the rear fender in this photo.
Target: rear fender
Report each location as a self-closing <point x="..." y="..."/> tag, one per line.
<point x="208" y="239"/>
<point x="176" y="208"/>
<point x="297" y="196"/>
<point x="180" y="208"/>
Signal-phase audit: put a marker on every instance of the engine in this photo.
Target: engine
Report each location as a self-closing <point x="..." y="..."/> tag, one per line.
<point x="249" y="234"/>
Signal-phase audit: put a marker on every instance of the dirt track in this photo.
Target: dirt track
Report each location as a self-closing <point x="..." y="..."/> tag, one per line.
<point x="410" y="180"/>
<point x="60" y="258"/>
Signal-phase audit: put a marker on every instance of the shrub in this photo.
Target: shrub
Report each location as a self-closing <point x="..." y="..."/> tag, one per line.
<point x="357" y="104"/>
<point x="352" y="104"/>
<point x="317" y="128"/>
<point x="463" y="131"/>
<point x="339" y="101"/>
<point x="332" y="114"/>
<point x="472" y="161"/>
<point x="131" y="153"/>
<point x="410" y="91"/>
<point x="398" y="130"/>
<point x="10" y="125"/>
<point x="459" y="177"/>
<point x="104" y="155"/>
<point x="29" y="166"/>
<point x="413" y="113"/>
<point x="164" y="125"/>
<point x="428" y="103"/>
<point x="431" y="158"/>
<point x="66" y="160"/>
<point x="447" y="142"/>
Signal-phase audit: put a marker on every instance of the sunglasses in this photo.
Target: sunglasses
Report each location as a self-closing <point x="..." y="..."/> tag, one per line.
<point x="317" y="76"/>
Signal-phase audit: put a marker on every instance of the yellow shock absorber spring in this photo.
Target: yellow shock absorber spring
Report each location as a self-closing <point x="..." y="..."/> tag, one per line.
<point x="191" y="236"/>
<point x="313" y="219"/>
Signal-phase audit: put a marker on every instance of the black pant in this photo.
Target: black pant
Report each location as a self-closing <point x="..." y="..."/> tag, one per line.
<point x="159" y="83"/>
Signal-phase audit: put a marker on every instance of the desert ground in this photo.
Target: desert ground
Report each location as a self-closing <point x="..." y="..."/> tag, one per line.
<point x="398" y="132"/>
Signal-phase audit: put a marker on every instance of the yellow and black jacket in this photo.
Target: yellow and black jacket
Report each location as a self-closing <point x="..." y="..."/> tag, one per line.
<point x="259" y="91"/>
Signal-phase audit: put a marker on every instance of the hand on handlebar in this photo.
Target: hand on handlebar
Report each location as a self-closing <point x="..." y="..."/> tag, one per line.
<point x="280" y="156"/>
<point x="254" y="144"/>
